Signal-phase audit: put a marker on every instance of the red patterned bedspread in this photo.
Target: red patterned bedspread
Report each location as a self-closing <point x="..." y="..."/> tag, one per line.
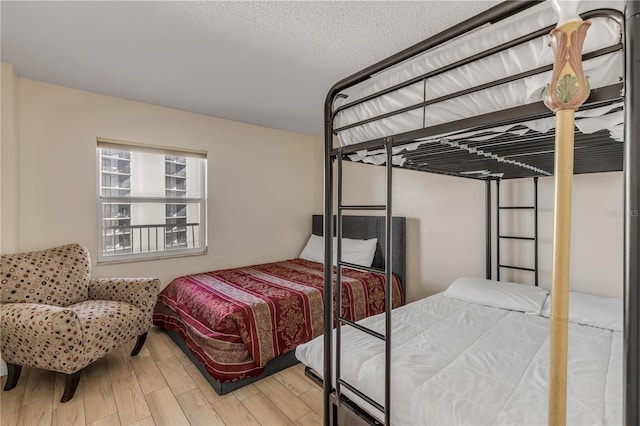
<point x="235" y="320"/>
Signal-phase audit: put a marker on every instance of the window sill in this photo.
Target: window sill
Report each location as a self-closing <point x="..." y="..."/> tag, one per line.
<point x="153" y="256"/>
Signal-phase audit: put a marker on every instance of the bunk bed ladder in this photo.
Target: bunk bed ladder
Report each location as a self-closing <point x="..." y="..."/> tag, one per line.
<point x="340" y="320"/>
<point x="533" y="239"/>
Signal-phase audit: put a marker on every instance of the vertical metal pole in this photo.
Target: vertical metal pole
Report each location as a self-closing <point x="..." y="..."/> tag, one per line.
<point x="632" y="213"/>
<point x="328" y="265"/>
<point x="535" y="229"/>
<point x="498" y="229"/>
<point x="389" y="279"/>
<point x="487" y="214"/>
<point x="339" y="276"/>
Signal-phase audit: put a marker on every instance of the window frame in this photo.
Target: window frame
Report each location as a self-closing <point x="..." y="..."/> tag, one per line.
<point x="102" y="200"/>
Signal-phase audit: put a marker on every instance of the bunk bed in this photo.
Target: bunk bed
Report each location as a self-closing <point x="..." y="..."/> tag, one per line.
<point x="242" y="324"/>
<point x="467" y="103"/>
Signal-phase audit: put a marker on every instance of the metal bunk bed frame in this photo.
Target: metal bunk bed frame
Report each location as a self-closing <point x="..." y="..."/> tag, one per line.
<point x="630" y="167"/>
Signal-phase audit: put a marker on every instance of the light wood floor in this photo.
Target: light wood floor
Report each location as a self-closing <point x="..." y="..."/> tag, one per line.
<point x="160" y="386"/>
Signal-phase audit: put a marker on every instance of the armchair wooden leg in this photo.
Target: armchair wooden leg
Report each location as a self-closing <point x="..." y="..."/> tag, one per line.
<point x="13" y="374"/>
<point x="141" y="339"/>
<point x="70" y="385"/>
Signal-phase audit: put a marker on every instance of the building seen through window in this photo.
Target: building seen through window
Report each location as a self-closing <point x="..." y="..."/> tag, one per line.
<point x="151" y="204"/>
<point x="176" y="186"/>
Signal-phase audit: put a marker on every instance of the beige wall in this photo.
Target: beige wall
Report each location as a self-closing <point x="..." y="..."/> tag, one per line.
<point x="9" y="202"/>
<point x="259" y="179"/>
<point x="596" y="234"/>
<point x="446" y="226"/>
<point x="9" y="176"/>
<point x="318" y="174"/>
<point x="445" y="220"/>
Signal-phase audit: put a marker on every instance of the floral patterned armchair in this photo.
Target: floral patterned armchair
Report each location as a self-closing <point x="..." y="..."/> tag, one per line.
<point x="55" y="317"/>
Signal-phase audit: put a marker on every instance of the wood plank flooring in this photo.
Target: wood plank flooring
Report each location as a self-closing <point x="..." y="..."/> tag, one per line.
<point x="158" y="387"/>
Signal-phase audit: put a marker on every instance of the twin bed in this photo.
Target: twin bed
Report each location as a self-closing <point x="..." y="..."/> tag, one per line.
<point x="242" y="324"/>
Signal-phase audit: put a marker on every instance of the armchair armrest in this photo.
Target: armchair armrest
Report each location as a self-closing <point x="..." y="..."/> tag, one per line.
<point x="140" y="292"/>
<point x="41" y="336"/>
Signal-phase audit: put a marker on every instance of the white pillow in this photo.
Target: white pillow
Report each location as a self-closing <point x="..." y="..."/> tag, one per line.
<point x="601" y="312"/>
<point x="498" y="294"/>
<point x="314" y="250"/>
<point x="358" y="252"/>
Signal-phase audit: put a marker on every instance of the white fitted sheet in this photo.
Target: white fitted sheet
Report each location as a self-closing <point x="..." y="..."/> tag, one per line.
<point x="602" y="71"/>
<point x="455" y="362"/>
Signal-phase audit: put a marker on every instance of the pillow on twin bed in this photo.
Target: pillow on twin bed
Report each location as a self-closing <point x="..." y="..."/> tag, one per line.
<point x="498" y="294"/>
<point x="600" y="312"/>
<point x="358" y="252"/>
<point x="314" y="250"/>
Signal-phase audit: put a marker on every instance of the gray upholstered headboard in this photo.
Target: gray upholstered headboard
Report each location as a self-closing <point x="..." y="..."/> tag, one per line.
<point x="365" y="227"/>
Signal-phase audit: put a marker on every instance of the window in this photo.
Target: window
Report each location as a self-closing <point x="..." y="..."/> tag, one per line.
<point x="151" y="201"/>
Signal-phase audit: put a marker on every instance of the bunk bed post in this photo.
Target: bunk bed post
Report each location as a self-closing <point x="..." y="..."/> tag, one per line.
<point x="631" y="219"/>
<point x="388" y="239"/>
<point x="565" y="93"/>
<point x="487" y="207"/>
<point x="535" y="229"/>
<point x="498" y="229"/>
<point x="338" y="276"/>
<point x="328" y="263"/>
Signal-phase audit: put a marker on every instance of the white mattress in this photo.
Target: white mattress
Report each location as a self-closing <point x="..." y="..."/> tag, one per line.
<point x="455" y="362"/>
<point x="602" y="71"/>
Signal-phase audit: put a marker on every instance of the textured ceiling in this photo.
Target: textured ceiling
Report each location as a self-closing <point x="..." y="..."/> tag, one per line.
<point x="266" y="63"/>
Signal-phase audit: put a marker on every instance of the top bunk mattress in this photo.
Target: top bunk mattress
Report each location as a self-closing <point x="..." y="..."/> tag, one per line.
<point x="604" y="67"/>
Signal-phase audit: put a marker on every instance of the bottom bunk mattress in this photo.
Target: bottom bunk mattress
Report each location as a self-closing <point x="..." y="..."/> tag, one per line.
<point x="458" y="362"/>
<point x="235" y="320"/>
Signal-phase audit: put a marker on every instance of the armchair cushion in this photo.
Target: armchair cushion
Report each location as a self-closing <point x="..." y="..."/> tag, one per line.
<point x="57" y="276"/>
<point x="107" y="325"/>
<point x="41" y="336"/>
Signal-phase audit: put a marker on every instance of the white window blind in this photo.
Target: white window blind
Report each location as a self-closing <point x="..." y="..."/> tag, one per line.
<point x="151" y="201"/>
